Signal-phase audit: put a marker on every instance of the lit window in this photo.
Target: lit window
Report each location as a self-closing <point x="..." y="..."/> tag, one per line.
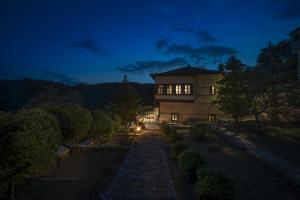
<point x="211" y="118"/>
<point x="187" y="89"/>
<point x="212" y="90"/>
<point x="169" y="89"/>
<point x="174" y="117"/>
<point x="160" y="89"/>
<point x="178" y="89"/>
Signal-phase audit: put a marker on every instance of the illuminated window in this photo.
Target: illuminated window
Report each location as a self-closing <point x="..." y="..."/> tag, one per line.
<point x="211" y="118"/>
<point x="187" y="89"/>
<point x="160" y="89"/>
<point x="178" y="89"/>
<point x="212" y="90"/>
<point x="169" y="89"/>
<point x="174" y="117"/>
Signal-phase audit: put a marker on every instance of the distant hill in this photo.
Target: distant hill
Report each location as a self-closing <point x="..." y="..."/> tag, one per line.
<point x="14" y="94"/>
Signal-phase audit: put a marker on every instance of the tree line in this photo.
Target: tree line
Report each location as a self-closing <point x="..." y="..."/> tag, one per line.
<point x="267" y="90"/>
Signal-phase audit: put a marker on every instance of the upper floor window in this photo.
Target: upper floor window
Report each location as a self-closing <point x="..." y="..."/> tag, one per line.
<point x="187" y="89"/>
<point x="212" y="90"/>
<point x="169" y="89"/>
<point x="160" y="89"/>
<point x="178" y="89"/>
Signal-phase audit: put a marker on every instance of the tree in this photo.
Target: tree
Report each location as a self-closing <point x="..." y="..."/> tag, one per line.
<point x="273" y="66"/>
<point x="103" y="125"/>
<point x="126" y="103"/>
<point x="231" y="95"/>
<point x="74" y="121"/>
<point x="258" y="96"/>
<point x="28" y="142"/>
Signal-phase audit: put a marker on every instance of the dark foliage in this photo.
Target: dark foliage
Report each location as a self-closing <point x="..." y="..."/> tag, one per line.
<point x="14" y="94"/>
<point x="213" y="186"/>
<point x="189" y="162"/>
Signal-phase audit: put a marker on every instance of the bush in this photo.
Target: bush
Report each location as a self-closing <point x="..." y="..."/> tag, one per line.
<point x="102" y="126"/>
<point x="177" y="148"/>
<point x="74" y="121"/>
<point x="213" y="186"/>
<point x="199" y="131"/>
<point x="29" y="140"/>
<point x="190" y="162"/>
<point x="170" y="132"/>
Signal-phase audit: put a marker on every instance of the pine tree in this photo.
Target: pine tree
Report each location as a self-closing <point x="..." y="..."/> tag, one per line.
<point x="126" y="103"/>
<point x="231" y="94"/>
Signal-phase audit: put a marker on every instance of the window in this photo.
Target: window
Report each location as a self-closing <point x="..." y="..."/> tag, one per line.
<point x="169" y="89"/>
<point x="174" y="117"/>
<point x="178" y="89"/>
<point x="187" y="89"/>
<point x="212" y="90"/>
<point x="160" y="89"/>
<point x="211" y="118"/>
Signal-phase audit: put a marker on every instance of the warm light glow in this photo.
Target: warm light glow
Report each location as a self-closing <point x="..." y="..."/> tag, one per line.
<point x="138" y="128"/>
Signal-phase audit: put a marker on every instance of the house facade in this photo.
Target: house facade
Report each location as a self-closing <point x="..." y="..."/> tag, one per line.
<point x="187" y="93"/>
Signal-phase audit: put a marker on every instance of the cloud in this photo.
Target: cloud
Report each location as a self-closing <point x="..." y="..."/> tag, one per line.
<point x="290" y="10"/>
<point x="161" y="44"/>
<point x="152" y="65"/>
<point x="90" y="45"/>
<point x="58" y="77"/>
<point x="203" y="53"/>
<point x="203" y="36"/>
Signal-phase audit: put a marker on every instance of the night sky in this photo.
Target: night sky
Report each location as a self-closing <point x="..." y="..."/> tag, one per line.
<point x="100" y="41"/>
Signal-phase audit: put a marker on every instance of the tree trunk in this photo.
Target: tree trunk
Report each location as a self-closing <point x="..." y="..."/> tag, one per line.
<point x="258" y="124"/>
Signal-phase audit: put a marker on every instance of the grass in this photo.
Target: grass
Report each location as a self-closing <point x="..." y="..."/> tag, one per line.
<point x="253" y="179"/>
<point x="77" y="177"/>
<point x="282" y="139"/>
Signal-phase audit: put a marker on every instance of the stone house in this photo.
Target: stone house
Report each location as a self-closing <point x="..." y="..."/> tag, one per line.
<point x="187" y="93"/>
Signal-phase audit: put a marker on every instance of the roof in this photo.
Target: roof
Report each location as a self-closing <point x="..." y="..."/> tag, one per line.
<point x="186" y="71"/>
<point x="294" y="31"/>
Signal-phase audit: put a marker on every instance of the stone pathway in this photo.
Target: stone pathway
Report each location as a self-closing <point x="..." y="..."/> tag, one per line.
<point x="278" y="164"/>
<point x="144" y="174"/>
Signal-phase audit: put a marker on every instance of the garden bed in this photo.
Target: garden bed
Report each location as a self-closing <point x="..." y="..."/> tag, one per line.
<point x="252" y="178"/>
<point x="80" y="176"/>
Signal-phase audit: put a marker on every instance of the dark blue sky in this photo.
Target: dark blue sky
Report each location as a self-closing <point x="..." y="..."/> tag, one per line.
<point x="99" y="41"/>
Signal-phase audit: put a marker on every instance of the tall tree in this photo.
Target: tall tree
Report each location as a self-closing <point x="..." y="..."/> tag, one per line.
<point x="126" y="103"/>
<point x="231" y="94"/>
<point x="271" y="66"/>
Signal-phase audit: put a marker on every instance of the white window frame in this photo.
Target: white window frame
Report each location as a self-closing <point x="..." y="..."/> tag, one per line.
<point x="187" y="89"/>
<point x="169" y="89"/>
<point x="178" y="89"/>
<point x="160" y="89"/>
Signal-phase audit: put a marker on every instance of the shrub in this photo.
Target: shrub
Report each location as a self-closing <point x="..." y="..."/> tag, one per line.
<point x="213" y="186"/>
<point x="199" y="131"/>
<point x="177" y="148"/>
<point x="29" y="140"/>
<point x="74" y="121"/>
<point x="102" y="126"/>
<point x="189" y="162"/>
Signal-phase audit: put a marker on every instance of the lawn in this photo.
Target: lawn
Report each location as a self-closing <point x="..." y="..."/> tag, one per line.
<point x="77" y="177"/>
<point x="253" y="179"/>
<point x="282" y="139"/>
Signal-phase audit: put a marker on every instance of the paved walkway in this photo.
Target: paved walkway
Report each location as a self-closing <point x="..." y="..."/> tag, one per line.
<point x="278" y="164"/>
<point x="144" y="174"/>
